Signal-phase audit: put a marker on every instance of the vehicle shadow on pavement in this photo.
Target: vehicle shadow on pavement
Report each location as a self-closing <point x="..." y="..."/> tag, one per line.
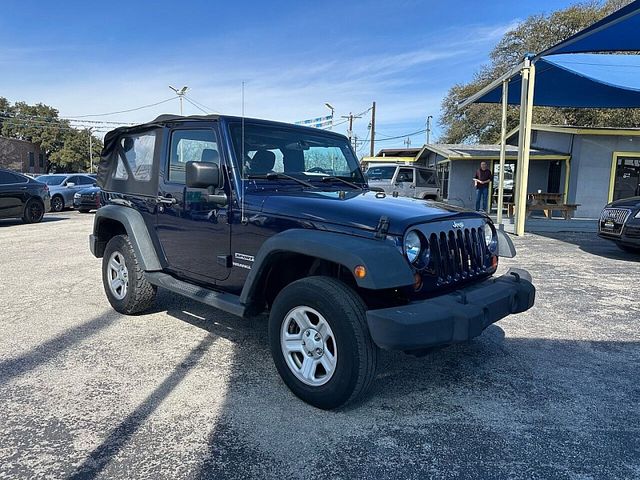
<point x="591" y="243"/>
<point x="8" y="222"/>
<point x="46" y="351"/>
<point x="489" y="390"/>
<point x="102" y="455"/>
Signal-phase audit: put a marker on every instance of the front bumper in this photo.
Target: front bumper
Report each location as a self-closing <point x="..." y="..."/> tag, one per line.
<point x="454" y="317"/>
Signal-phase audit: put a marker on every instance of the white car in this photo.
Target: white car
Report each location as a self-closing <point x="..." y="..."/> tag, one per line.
<point x="404" y="180"/>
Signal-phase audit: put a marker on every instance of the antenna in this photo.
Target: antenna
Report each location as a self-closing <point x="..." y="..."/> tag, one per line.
<point x="243" y="218"/>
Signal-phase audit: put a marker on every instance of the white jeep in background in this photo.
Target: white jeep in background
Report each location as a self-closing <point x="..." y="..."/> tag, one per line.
<point x="404" y="180"/>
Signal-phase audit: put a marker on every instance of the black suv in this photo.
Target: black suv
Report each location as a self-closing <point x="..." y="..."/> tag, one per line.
<point x="251" y="215"/>
<point x="23" y="197"/>
<point x="620" y="222"/>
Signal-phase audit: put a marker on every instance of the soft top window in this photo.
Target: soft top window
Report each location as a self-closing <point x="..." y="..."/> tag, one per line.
<point x="129" y="162"/>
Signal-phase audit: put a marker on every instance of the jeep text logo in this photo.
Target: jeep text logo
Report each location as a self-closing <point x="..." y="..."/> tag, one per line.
<point x="458" y="225"/>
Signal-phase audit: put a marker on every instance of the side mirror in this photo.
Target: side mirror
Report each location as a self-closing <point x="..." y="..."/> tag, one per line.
<point x="506" y="248"/>
<point x="70" y="184"/>
<point x="202" y="175"/>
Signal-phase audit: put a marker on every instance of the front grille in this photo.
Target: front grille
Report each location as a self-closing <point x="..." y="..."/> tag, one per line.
<point x="88" y="196"/>
<point x="612" y="220"/>
<point x="632" y="232"/>
<point x="457" y="254"/>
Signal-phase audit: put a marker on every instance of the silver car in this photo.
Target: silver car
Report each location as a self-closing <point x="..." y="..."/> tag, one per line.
<point x="404" y="180"/>
<point x="63" y="187"/>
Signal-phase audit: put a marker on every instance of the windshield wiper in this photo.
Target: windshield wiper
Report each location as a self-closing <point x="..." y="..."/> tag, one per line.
<point x="277" y="176"/>
<point x="331" y="178"/>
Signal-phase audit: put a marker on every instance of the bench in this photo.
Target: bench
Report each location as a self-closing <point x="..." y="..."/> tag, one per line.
<point x="567" y="209"/>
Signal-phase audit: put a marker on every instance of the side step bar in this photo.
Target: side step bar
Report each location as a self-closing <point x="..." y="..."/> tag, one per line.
<point x="224" y="301"/>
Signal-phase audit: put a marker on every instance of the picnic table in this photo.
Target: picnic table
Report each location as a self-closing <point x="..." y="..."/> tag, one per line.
<point x="547" y="202"/>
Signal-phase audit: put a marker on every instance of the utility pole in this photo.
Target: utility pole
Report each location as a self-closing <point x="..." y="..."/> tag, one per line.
<point x="351" y="116"/>
<point x="429" y="118"/>
<point x="407" y="142"/>
<point x="373" y="130"/>
<point x="180" y="93"/>
<point x="90" y="149"/>
<point x="330" y="107"/>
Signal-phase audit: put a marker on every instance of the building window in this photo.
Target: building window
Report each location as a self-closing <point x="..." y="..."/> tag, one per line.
<point x="41" y="160"/>
<point x="443" y="173"/>
<point x="32" y="161"/>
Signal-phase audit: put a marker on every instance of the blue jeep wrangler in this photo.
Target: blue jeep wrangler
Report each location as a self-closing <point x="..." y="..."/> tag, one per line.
<point x="251" y="216"/>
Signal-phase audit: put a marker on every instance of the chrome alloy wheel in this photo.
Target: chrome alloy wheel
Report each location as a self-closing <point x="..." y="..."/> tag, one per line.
<point x="309" y="346"/>
<point x="118" y="275"/>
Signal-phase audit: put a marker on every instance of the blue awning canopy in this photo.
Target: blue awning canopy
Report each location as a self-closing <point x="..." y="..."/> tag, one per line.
<point x="579" y="81"/>
<point x="616" y="33"/>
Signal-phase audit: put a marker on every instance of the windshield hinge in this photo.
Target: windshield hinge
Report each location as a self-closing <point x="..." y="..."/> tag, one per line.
<point x="382" y="228"/>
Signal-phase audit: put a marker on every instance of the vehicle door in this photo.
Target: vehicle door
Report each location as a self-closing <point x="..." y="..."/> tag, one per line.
<point x="13" y="194"/>
<point x="405" y="185"/>
<point x="193" y="230"/>
<point x="71" y="185"/>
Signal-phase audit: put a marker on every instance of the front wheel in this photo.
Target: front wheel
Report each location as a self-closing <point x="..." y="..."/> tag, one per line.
<point x="57" y="203"/>
<point x="320" y="342"/>
<point x="124" y="282"/>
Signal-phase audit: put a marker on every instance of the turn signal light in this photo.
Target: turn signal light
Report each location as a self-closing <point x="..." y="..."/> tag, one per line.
<point x="417" y="281"/>
<point x="360" y="271"/>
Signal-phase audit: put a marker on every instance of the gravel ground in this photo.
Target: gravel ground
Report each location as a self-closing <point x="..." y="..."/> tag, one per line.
<point x="189" y="392"/>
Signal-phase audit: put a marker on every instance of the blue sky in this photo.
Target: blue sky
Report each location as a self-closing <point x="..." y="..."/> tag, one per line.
<point x="85" y="58"/>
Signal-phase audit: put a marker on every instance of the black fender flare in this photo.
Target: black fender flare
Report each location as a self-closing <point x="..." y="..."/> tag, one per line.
<point x="386" y="266"/>
<point x="136" y="229"/>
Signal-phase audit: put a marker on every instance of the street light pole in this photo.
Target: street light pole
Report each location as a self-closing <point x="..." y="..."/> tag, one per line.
<point x="180" y="93"/>
<point x="330" y="107"/>
<point x="429" y="118"/>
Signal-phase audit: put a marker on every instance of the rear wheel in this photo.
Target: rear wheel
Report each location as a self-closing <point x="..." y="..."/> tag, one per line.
<point x="57" y="203"/>
<point x="124" y="282"/>
<point x="628" y="248"/>
<point x="320" y="342"/>
<point x="33" y="211"/>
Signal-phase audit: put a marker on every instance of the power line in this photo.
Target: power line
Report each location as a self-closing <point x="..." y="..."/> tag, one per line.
<point x="193" y="100"/>
<point x="124" y="111"/>
<point x="197" y="106"/>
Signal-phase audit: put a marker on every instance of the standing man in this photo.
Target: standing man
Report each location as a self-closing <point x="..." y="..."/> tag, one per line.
<point x="482" y="178"/>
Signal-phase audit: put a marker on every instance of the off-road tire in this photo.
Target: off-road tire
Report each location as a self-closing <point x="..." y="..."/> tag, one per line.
<point x="140" y="293"/>
<point x="33" y="211"/>
<point x="57" y="203"/>
<point x="357" y="355"/>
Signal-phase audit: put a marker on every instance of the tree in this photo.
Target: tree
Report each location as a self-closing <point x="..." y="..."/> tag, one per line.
<point x="65" y="147"/>
<point x="481" y="122"/>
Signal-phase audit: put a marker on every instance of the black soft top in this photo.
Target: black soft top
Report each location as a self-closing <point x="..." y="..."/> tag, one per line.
<point x="112" y="151"/>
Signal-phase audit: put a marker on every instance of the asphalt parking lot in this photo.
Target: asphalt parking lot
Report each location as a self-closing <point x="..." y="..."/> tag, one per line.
<point x="189" y="392"/>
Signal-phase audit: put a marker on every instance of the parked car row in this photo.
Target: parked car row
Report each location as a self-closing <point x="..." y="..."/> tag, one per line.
<point x="23" y="196"/>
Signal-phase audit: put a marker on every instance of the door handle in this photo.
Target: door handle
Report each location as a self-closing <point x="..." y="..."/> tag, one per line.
<point x="167" y="200"/>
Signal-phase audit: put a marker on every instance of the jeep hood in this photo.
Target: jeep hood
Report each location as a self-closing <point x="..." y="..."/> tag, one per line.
<point x="358" y="209"/>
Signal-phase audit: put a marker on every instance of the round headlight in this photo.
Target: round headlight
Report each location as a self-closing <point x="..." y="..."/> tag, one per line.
<point x="412" y="246"/>
<point x="490" y="237"/>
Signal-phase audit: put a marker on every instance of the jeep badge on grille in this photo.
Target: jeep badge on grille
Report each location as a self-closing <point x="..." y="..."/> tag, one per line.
<point x="458" y="225"/>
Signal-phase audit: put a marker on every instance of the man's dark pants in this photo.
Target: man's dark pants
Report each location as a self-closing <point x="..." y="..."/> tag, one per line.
<point x="482" y="195"/>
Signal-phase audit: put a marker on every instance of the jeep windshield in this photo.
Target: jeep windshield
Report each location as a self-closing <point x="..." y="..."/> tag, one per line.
<point x="295" y="153"/>
<point x="381" y="173"/>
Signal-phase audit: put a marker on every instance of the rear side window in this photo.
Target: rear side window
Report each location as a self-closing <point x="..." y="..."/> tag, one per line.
<point x="138" y="153"/>
<point x="426" y="178"/>
<point x="82" y="180"/>
<point x="8" y="177"/>
<point x="191" y="146"/>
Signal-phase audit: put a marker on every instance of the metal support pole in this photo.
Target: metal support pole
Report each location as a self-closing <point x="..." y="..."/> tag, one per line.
<point x="373" y="130"/>
<point x="503" y="149"/>
<point x="90" y="150"/>
<point x="524" y="145"/>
